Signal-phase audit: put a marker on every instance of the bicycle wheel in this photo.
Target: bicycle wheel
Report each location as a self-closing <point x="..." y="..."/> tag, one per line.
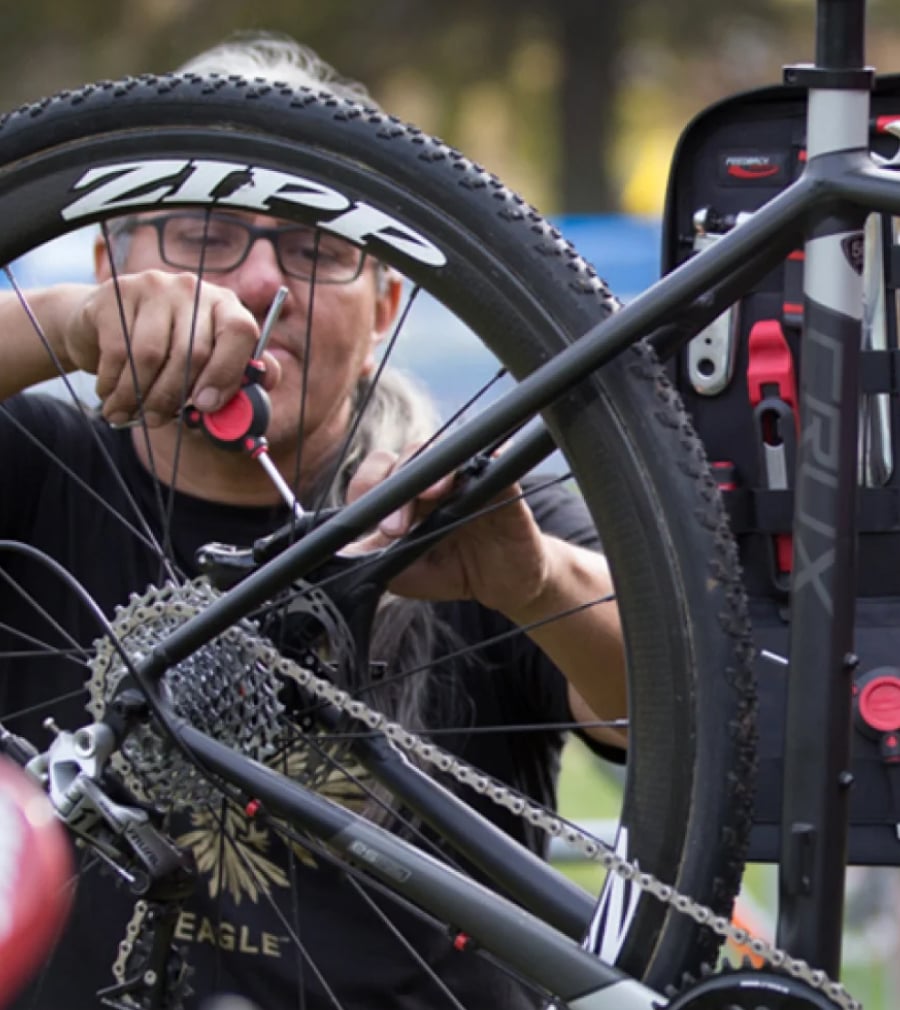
<point x="459" y="235"/>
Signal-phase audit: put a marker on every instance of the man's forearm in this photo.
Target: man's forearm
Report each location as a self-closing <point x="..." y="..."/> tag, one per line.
<point x="24" y="356"/>
<point x="585" y="644"/>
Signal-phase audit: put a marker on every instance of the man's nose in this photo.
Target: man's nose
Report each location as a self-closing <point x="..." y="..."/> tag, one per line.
<point x="257" y="280"/>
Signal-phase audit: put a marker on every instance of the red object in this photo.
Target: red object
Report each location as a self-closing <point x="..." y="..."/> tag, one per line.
<point x="771" y="363"/>
<point x="35" y="878"/>
<point x="879" y="704"/>
<point x="761" y="172"/>
<point x="883" y="124"/>
<point x="772" y="388"/>
<point x="784" y="552"/>
<point x="231" y="422"/>
<point x="725" y="474"/>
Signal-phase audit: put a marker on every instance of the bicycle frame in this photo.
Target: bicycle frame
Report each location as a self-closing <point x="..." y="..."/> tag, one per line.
<point x="827" y="206"/>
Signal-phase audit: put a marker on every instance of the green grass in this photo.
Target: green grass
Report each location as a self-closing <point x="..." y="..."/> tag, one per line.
<point x="588" y="789"/>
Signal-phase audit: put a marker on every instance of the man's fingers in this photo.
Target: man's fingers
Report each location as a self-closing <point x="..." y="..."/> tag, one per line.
<point x="272" y="371"/>
<point x="372" y="471"/>
<point x="129" y="368"/>
<point x="155" y="339"/>
<point x="377" y="467"/>
<point x="234" y="334"/>
<point x="398" y="523"/>
<point x="439" y="489"/>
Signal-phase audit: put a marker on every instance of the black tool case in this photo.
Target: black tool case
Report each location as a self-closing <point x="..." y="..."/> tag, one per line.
<point x="738" y="380"/>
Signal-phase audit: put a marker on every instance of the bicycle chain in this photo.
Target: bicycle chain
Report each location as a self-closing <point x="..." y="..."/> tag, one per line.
<point x="132" y="951"/>
<point x="126" y="947"/>
<point x="593" y="849"/>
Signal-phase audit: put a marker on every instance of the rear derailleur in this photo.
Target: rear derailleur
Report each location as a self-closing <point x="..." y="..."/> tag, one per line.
<point x="150" y="972"/>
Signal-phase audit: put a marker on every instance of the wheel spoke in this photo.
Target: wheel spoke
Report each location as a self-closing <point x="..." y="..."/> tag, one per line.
<point x="41" y="611"/>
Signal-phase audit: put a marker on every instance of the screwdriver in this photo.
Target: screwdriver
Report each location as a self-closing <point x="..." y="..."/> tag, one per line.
<point x="242" y="422"/>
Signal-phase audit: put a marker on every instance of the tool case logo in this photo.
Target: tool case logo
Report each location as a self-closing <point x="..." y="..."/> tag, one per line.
<point x="740" y="167"/>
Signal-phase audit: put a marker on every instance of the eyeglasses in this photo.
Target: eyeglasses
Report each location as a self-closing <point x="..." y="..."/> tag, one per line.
<point x="219" y="243"/>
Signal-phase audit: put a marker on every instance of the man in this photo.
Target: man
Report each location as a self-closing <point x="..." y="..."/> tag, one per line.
<point x="259" y="899"/>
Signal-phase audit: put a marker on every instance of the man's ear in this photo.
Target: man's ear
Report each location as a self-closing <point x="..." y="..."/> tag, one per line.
<point x="387" y="305"/>
<point x="102" y="267"/>
<point x="387" y="299"/>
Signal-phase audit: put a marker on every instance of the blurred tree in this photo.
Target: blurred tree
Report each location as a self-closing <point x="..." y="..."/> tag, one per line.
<point x="563" y="98"/>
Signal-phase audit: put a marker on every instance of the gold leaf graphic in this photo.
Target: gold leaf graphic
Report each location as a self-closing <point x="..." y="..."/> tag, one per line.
<point x="232" y="851"/>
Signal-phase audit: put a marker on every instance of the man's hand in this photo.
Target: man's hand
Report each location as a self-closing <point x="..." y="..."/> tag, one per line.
<point x="184" y="337"/>
<point x="496" y="558"/>
<point x="561" y="593"/>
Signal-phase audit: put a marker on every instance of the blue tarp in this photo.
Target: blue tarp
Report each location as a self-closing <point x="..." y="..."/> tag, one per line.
<point x="624" y="250"/>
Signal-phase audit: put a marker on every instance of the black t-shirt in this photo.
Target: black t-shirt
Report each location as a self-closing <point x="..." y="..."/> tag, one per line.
<point x="254" y="897"/>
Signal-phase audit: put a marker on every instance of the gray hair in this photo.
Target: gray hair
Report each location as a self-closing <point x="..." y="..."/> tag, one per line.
<point x="278" y="59"/>
<point x="260" y="55"/>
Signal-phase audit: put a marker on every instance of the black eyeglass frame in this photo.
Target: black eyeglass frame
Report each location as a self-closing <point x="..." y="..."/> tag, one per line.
<point x="254" y="234"/>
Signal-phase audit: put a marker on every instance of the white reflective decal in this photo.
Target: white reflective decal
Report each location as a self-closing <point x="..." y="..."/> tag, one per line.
<point x="123" y="182"/>
<point x="166" y="181"/>
<point x="264" y="183"/>
<point x="363" y="222"/>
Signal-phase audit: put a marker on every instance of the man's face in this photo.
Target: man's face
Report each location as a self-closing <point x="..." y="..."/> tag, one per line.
<point x="331" y="329"/>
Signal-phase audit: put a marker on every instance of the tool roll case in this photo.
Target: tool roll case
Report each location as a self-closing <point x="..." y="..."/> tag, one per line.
<point x="738" y="380"/>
